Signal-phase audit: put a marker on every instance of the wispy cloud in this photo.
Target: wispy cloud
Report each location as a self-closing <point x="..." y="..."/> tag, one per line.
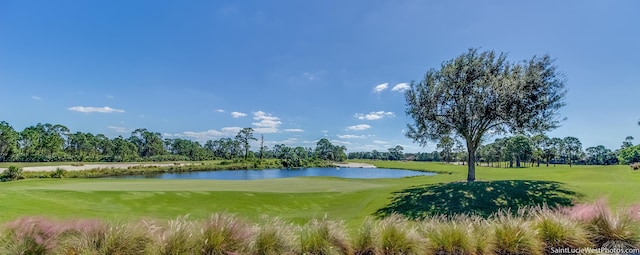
<point x="309" y="76"/>
<point x="219" y="110"/>
<point x="341" y="142"/>
<point x="119" y="129"/>
<point x="380" y="87"/>
<point x="401" y="87"/>
<point x="267" y="123"/>
<point x="89" y="109"/>
<point x="306" y="77"/>
<point x="291" y="141"/>
<point x="374" y="115"/>
<point x="358" y="127"/>
<point x="351" y="136"/>
<point x="380" y="142"/>
<point x="293" y="130"/>
<point x="212" y="134"/>
<point x="109" y="96"/>
<point x="238" y="114"/>
<point x="36" y="98"/>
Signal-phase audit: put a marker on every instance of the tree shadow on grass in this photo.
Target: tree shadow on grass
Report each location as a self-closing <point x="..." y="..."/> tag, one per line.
<point x="477" y="198"/>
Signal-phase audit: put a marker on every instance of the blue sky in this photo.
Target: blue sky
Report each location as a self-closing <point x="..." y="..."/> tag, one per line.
<point x="298" y="71"/>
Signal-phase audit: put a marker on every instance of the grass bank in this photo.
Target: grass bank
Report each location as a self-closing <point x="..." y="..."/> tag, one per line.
<point x="299" y="199"/>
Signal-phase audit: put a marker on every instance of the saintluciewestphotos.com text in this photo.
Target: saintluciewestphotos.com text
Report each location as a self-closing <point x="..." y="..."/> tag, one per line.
<point x="567" y="250"/>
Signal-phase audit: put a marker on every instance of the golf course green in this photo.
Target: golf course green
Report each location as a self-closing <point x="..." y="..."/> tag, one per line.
<point x="300" y="199"/>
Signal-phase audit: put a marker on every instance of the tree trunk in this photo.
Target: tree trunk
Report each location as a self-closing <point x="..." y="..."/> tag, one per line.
<point x="471" y="166"/>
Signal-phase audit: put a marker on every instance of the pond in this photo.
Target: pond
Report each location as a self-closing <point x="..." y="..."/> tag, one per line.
<point x="364" y="173"/>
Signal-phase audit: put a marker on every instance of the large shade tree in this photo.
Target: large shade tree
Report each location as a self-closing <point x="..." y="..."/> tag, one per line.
<point x="480" y="93"/>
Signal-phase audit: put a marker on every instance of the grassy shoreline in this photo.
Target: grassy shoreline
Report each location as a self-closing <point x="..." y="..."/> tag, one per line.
<point x="149" y="168"/>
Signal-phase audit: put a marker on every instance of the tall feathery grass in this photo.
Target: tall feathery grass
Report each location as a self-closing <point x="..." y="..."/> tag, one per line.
<point x="29" y="236"/>
<point x="224" y="234"/>
<point x="176" y="238"/>
<point x="365" y="240"/>
<point x="273" y="236"/>
<point x="124" y="239"/>
<point x="514" y="234"/>
<point x="451" y="235"/>
<point x="399" y="236"/>
<point x="558" y="230"/>
<point x="537" y="232"/>
<point x="606" y="228"/>
<point x="324" y="237"/>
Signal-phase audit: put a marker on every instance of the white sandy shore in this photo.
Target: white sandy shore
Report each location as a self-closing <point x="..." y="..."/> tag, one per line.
<point x="354" y="165"/>
<point x="86" y="167"/>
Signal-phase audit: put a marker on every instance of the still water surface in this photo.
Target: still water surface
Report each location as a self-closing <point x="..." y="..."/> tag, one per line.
<point x="365" y="173"/>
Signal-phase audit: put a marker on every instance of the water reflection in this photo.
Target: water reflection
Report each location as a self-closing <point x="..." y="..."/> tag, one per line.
<point x="364" y="173"/>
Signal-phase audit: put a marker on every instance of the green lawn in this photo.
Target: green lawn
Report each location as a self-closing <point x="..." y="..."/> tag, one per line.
<point x="295" y="199"/>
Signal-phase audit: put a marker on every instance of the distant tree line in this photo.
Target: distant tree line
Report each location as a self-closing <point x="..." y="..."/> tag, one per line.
<point x="394" y="153"/>
<point x="55" y="143"/>
<point x="518" y="151"/>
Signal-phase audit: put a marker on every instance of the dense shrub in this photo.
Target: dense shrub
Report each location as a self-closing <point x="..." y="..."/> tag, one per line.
<point x="11" y="174"/>
<point x="58" y="173"/>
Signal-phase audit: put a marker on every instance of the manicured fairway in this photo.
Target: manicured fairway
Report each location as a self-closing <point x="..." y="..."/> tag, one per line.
<point x="295" y="199"/>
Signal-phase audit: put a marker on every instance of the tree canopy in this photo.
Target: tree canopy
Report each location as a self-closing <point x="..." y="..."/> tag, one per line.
<point x="480" y="93"/>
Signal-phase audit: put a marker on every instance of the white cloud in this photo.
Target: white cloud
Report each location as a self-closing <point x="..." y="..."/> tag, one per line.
<point x="401" y="87"/>
<point x="36" y="98"/>
<point x="380" y="142"/>
<point x="345" y="143"/>
<point x="230" y="130"/>
<point x="109" y="96"/>
<point x="293" y="130"/>
<point x="238" y="114"/>
<point x="359" y="127"/>
<point x="292" y="142"/>
<point x="211" y="134"/>
<point x="85" y="109"/>
<point x="350" y="136"/>
<point x="267" y="123"/>
<point x="374" y="115"/>
<point x="219" y="110"/>
<point x="380" y="87"/>
<point x="119" y="129"/>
